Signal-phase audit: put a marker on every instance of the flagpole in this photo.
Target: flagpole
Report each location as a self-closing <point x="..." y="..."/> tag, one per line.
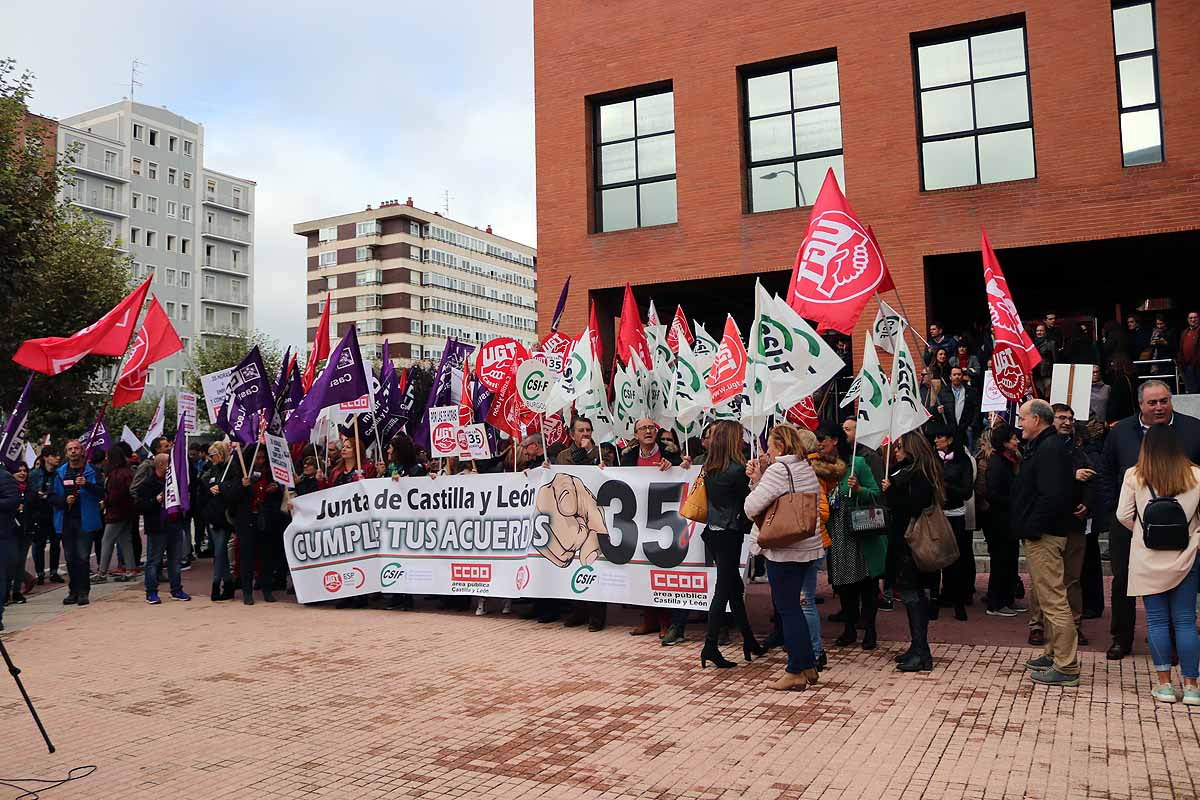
<point x="357" y="445"/>
<point x="545" y="454"/>
<point x="904" y="311"/>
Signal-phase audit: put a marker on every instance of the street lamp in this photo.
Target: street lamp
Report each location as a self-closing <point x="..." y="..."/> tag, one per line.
<point x="770" y="176"/>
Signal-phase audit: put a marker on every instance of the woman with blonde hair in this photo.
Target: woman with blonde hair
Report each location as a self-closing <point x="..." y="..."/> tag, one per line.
<point x="1166" y="579"/>
<point x="788" y="568"/>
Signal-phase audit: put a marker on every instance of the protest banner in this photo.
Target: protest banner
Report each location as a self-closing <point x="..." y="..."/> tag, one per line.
<point x="495" y="358"/>
<point x="1071" y="384"/>
<point x="216" y="390"/>
<point x="185" y="402"/>
<point x="993" y="399"/>
<point x="533" y="385"/>
<point x="443" y="431"/>
<point x="579" y="533"/>
<point x="473" y="442"/>
<point x="280" y="459"/>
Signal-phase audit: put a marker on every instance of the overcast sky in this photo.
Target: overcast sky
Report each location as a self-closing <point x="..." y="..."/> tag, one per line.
<point x="328" y="109"/>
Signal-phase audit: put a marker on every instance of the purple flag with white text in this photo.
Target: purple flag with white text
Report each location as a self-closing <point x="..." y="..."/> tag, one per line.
<point x="176" y="496"/>
<point x="12" y="443"/>
<point x="249" y="395"/>
<point x="344" y="379"/>
<point x="96" y="437"/>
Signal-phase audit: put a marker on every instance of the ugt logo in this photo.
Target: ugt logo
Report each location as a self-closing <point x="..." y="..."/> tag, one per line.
<point x="837" y="254"/>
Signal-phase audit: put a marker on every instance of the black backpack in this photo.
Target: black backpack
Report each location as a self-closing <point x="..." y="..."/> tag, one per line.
<point x="1164" y="523"/>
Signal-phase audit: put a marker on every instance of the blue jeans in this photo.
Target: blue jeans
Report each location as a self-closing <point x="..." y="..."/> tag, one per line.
<point x="812" y="616"/>
<point x="1175" y="608"/>
<point x="787" y="579"/>
<point x="167" y="539"/>
<point x="219" y="540"/>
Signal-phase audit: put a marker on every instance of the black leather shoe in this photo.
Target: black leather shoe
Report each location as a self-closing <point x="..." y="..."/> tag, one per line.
<point x="902" y="656"/>
<point x="1116" y="652"/>
<point x="1082" y="638"/>
<point x="915" y="663"/>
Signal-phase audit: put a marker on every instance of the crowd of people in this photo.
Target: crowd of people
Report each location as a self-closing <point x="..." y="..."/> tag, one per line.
<point x="1039" y="481"/>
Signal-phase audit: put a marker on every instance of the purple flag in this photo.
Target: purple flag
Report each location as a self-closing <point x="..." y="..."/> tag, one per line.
<point x="12" y="443"/>
<point x="176" y="497"/>
<point x="387" y="402"/>
<point x="454" y="357"/>
<point x="344" y="379"/>
<point x="281" y="381"/>
<point x="481" y="405"/>
<point x="408" y="401"/>
<point x="249" y="394"/>
<point x="96" y="437"/>
<point x="558" y="309"/>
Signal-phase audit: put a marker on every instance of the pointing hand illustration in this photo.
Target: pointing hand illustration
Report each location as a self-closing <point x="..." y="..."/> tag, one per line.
<point x="576" y="521"/>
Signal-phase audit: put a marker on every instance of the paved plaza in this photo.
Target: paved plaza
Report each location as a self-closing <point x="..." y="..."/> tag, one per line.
<point x="203" y="700"/>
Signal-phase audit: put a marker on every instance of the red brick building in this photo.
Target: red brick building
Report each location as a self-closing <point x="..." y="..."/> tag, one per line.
<point x="940" y="117"/>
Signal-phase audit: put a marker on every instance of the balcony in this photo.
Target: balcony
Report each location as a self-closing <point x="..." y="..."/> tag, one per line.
<point x="226" y="267"/>
<point x="234" y="204"/>
<point x="211" y="329"/>
<point x="226" y="296"/>
<point x="107" y="168"/>
<point x="95" y="201"/>
<point x="229" y="233"/>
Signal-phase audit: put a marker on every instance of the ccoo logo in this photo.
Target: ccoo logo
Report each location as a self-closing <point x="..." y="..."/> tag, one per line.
<point x="662" y="580"/>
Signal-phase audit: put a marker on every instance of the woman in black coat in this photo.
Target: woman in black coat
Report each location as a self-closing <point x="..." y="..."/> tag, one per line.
<point x="958" y="579"/>
<point x="254" y="501"/>
<point x="914" y="484"/>
<point x="1003" y="550"/>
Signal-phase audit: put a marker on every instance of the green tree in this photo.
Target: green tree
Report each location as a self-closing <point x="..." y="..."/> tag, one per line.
<point x="58" y="272"/>
<point x="227" y="351"/>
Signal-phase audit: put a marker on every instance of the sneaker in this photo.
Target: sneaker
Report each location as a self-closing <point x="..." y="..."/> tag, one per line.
<point x="98" y="578"/>
<point x="1165" y="693"/>
<point x="56" y="578"/>
<point x="1053" y="677"/>
<point x="1040" y="663"/>
<point x="152" y="598"/>
<point x="1018" y="608"/>
<point x="1001" y="612"/>
<point x="507" y="607"/>
<point x="480" y="610"/>
<point x="180" y="595"/>
<point x="886" y="605"/>
<point x="185" y="566"/>
<point x="1191" y="696"/>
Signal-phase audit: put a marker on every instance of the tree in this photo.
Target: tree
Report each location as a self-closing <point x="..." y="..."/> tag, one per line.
<point x="58" y="272"/>
<point x="228" y="351"/>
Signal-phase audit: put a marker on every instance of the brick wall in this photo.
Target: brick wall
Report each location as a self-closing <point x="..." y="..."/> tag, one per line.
<point x="1081" y="191"/>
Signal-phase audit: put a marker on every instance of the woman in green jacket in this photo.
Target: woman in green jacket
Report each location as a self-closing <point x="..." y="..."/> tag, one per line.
<point x="855" y="561"/>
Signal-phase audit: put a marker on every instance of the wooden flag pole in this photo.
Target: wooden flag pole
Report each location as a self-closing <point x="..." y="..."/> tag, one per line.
<point x="357" y="446"/>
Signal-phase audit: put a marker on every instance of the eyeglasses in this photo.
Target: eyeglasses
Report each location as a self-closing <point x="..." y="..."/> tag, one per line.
<point x="641" y="428"/>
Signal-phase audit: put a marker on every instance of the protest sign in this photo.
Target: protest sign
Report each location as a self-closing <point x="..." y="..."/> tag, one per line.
<point x="473" y="442"/>
<point x="280" y="459"/>
<point x="216" y="390"/>
<point x="993" y="398"/>
<point x="579" y="533"/>
<point x="533" y="384"/>
<point x="1071" y="384"/>
<point x="185" y="402"/>
<point x="496" y="358"/>
<point x="443" y="431"/>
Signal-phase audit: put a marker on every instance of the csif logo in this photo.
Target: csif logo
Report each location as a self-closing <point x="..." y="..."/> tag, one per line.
<point x="391" y="574"/>
<point x="584" y="578"/>
<point x="535" y="383"/>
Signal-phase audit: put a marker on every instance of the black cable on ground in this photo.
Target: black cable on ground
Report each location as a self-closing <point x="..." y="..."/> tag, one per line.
<point x="32" y="794"/>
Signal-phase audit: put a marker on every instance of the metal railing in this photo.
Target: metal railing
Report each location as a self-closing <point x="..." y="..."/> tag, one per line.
<point x="96" y="200"/>
<point x="228" y="267"/>
<point x="104" y="167"/>
<point x="228" y="231"/>
<point x="223" y="295"/>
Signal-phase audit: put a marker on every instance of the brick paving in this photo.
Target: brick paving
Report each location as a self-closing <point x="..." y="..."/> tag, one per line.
<point x="202" y="700"/>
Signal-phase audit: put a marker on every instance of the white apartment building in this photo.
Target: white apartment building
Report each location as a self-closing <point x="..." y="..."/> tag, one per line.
<point x="416" y="278"/>
<point x="140" y="170"/>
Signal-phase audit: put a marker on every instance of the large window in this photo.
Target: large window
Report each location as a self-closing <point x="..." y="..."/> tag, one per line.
<point x="635" y="162"/>
<point x="976" y="120"/>
<point x="794" y="133"/>
<point x="1137" y="83"/>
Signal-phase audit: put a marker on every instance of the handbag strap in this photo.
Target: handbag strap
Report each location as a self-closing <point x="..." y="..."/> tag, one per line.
<point x="791" y="483"/>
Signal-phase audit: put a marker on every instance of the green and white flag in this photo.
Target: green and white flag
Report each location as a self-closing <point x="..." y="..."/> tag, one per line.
<point x="887" y="326"/>
<point x="656" y="381"/>
<point x="908" y="413"/>
<point x="792" y="360"/>
<point x="628" y="403"/>
<point x="874" y="397"/>
<point x="705" y="345"/>
<point x="689" y="395"/>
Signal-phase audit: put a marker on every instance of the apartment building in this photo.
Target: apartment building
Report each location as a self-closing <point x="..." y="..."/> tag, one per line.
<point x="416" y="278"/>
<point x="140" y="170"/>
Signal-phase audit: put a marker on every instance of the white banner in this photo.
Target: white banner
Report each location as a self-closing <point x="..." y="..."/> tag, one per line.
<point x="1071" y="384"/>
<point x="185" y="402"/>
<point x="578" y="533"/>
<point x="443" y="431"/>
<point x="216" y="389"/>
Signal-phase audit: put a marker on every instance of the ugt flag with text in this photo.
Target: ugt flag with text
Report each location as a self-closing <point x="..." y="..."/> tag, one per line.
<point x="839" y="265"/>
<point x="1014" y="355"/>
<point x="343" y="379"/>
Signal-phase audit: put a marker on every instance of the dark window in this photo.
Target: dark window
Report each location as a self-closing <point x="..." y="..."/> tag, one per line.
<point x="635" y="162"/>
<point x="793" y="132"/>
<point x="1137" y="83"/>
<point x="973" y="106"/>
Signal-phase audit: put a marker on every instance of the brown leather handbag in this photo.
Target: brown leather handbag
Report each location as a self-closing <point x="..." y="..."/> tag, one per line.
<point x="792" y="518"/>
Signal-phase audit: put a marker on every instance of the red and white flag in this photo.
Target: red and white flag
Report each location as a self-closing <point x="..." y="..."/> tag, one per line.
<point x="839" y="265"/>
<point x="155" y="341"/>
<point x="631" y="337"/>
<point x="727" y="378"/>
<point x="1014" y="355"/>
<point x="107" y="336"/>
<point x="679" y="330"/>
<point x="320" y="350"/>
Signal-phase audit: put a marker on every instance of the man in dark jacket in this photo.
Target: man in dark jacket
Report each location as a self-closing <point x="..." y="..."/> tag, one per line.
<point x="1120" y="453"/>
<point x="583" y="449"/>
<point x="958" y="407"/>
<point x="1041" y="516"/>
<point x="161" y="535"/>
<point x="10" y="499"/>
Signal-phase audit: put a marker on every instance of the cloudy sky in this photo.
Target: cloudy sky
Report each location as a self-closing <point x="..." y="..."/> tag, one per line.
<point x="328" y="109"/>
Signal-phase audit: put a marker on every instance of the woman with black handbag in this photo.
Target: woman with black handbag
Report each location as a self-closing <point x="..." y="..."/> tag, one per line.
<point x="913" y="485"/>
<point x="727" y="485"/>
<point x="1163" y="564"/>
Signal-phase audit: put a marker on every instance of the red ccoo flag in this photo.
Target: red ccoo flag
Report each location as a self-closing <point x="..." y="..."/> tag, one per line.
<point x="155" y="341"/>
<point x="108" y="336"/>
<point x="631" y="337"/>
<point x="320" y="350"/>
<point x="1014" y="355"/>
<point x="839" y="265"/>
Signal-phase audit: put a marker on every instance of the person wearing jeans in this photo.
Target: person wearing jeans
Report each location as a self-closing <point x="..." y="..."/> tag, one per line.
<point x="784" y="470"/>
<point x="161" y="535"/>
<point x="39" y="515"/>
<point x="812" y="616"/>
<point x="1166" y="580"/>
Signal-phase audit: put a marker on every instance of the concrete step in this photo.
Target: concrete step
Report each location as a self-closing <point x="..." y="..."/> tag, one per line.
<point x="983" y="564"/>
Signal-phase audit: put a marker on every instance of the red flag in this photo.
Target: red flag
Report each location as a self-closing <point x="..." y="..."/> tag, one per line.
<point x="466" y="411"/>
<point x="594" y="331"/>
<point x="320" y="350"/>
<point x="803" y="413"/>
<point x="108" y="336"/>
<point x="838" y="267"/>
<point x="679" y="330"/>
<point x="155" y="341"/>
<point x="885" y="285"/>
<point x="505" y="413"/>
<point x="728" y="375"/>
<point x="1014" y="355"/>
<point x="631" y="338"/>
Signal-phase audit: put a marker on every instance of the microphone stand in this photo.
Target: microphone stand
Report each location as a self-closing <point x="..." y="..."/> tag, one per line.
<point x="16" y="673"/>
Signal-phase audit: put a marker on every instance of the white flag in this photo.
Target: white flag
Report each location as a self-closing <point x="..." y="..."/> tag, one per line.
<point x="30" y="456"/>
<point x="874" y="397"/>
<point x="887" y="327"/>
<point x="705" y="345"/>
<point x="908" y="413"/>
<point x="793" y="360"/>
<point x="130" y="438"/>
<point x="652" y="314"/>
<point x="628" y="403"/>
<point x="156" y="424"/>
<point x="689" y="395"/>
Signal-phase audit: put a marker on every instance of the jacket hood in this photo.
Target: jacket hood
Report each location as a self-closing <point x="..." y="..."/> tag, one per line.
<point x="828" y="470"/>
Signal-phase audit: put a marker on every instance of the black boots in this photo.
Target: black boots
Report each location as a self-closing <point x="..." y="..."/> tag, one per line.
<point x="712" y="653"/>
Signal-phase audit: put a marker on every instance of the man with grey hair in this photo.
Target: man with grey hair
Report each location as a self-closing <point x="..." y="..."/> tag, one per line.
<point x="1042" y="506"/>
<point x="1120" y="453"/>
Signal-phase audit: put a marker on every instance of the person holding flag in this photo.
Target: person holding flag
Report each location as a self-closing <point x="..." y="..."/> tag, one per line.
<point x="161" y="535"/>
<point x="254" y="501"/>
